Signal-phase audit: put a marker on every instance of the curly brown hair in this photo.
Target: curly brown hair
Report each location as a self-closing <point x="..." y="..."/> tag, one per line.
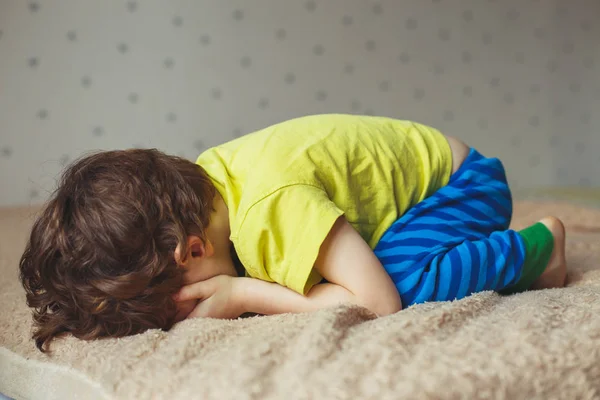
<point x="100" y="258"/>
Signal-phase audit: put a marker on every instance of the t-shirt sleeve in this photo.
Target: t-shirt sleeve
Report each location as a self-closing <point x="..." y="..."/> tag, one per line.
<point x="280" y="236"/>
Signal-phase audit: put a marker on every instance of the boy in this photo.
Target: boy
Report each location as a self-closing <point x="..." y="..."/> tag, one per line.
<point x="319" y="210"/>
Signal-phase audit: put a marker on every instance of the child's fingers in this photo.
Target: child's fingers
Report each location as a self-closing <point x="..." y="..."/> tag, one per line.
<point x="199" y="290"/>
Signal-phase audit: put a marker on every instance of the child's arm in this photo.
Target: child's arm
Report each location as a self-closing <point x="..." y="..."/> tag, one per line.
<point x="354" y="274"/>
<point x="347" y="262"/>
<point x="229" y="297"/>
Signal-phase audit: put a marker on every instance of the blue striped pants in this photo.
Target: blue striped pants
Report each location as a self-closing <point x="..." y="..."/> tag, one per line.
<point x="456" y="242"/>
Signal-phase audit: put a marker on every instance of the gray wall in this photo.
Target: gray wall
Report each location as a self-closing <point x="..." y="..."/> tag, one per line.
<point x="517" y="79"/>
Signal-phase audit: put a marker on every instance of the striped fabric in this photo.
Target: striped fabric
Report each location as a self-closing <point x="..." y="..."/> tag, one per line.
<point x="456" y="242"/>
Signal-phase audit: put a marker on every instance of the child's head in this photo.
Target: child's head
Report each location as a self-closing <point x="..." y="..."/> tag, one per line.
<point x="100" y="259"/>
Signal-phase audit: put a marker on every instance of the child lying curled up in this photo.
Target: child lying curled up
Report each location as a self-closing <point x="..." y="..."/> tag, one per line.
<point x="319" y="210"/>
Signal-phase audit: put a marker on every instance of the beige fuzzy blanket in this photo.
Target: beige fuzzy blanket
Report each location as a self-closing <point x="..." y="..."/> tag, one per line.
<point x="540" y="345"/>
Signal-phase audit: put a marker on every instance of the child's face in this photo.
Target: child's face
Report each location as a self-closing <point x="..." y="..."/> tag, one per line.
<point x="204" y="259"/>
<point x="201" y="269"/>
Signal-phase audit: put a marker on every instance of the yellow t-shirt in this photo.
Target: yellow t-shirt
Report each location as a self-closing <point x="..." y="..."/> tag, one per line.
<point x="287" y="184"/>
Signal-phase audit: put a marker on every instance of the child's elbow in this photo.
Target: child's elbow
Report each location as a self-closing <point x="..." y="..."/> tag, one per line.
<point x="387" y="306"/>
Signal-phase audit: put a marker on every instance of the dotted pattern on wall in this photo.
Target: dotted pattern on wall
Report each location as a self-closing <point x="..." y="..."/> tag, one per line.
<point x="516" y="79"/>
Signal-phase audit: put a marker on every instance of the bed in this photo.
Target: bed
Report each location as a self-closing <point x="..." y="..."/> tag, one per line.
<point x="543" y="344"/>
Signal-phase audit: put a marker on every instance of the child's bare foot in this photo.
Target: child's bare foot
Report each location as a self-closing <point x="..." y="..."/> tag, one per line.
<point x="555" y="274"/>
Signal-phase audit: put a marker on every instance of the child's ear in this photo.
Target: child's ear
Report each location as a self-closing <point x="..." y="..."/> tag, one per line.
<point x="196" y="249"/>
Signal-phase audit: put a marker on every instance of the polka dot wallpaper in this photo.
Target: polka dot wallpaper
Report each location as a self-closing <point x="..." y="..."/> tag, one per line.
<point x="518" y="79"/>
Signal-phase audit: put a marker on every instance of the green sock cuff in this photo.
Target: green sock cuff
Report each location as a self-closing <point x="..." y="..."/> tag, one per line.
<point x="539" y="244"/>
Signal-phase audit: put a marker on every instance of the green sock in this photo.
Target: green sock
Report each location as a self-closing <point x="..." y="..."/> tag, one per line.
<point x="539" y="244"/>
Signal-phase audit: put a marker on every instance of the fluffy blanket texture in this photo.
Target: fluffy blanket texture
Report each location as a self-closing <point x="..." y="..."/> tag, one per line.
<point x="540" y="345"/>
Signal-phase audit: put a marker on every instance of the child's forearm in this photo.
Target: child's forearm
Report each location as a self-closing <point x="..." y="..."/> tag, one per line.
<point x="268" y="298"/>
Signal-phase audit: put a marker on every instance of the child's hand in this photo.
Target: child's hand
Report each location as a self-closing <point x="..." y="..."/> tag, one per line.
<point x="217" y="298"/>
